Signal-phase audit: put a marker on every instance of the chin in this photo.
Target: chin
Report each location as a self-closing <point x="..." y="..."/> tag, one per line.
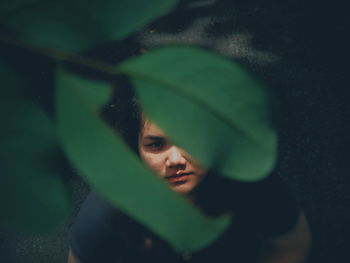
<point x="183" y="189"/>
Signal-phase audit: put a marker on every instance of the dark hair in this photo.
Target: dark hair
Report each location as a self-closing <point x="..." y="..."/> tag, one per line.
<point x="123" y="113"/>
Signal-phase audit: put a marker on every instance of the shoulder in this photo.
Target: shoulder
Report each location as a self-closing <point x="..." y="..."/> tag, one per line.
<point x="72" y="258"/>
<point x="95" y="230"/>
<point x="266" y="206"/>
<point x="269" y="205"/>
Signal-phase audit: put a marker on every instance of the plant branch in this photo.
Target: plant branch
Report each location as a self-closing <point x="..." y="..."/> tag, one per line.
<point x="62" y="55"/>
<point x="25" y="7"/>
<point x="113" y="70"/>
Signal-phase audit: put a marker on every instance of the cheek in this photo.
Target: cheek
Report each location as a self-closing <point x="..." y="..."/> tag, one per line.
<point x="199" y="169"/>
<point x="155" y="162"/>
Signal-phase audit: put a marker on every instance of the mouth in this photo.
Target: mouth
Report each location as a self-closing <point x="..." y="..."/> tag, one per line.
<point x="178" y="178"/>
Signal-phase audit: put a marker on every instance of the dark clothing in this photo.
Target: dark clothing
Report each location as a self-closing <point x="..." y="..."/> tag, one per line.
<point x="262" y="209"/>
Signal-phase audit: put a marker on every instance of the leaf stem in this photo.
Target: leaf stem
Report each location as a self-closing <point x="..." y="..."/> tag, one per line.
<point x="62" y="55"/>
<point x="113" y="70"/>
<point x="24" y="7"/>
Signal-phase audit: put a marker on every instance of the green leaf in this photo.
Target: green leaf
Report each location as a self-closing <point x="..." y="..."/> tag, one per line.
<point x="117" y="173"/>
<point x="78" y="25"/>
<point x="33" y="196"/>
<point x="209" y="106"/>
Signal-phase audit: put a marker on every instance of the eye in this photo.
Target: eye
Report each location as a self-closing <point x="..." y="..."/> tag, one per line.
<point x="155" y="145"/>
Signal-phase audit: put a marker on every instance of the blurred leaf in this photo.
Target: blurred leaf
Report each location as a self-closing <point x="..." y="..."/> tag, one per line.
<point x="33" y="196"/>
<point x="7" y="7"/>
<point x="209" y="106"/>
<point x="117" y="173"/>
<point x="78" y="25"/>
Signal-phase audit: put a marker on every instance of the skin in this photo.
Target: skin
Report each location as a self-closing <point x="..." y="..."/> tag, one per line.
<point x="168" y="161"/>
<point x="291" y="247"/>
<point x="72" y="258"/>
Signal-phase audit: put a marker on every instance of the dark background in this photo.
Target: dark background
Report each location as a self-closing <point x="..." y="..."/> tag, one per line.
<point x="300" y="49"/>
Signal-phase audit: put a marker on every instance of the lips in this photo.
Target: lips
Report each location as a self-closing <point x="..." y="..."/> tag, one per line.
<point x="178" y="177"/>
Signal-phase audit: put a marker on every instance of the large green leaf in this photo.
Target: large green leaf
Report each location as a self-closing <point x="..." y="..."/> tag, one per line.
<point x="117" y="173"/>
<point x="33" y="196"/>
<point x="77" y="25"/>
<point x="210" y="106"/>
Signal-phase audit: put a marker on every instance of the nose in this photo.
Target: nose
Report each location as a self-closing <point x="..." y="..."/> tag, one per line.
<point x="175" y="157"/>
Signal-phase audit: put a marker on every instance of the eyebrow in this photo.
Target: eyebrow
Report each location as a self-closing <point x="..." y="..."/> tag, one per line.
<point x="154" y="138"/>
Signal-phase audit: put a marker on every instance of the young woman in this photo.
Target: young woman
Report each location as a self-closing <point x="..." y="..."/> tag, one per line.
<point x="268" y="225"/>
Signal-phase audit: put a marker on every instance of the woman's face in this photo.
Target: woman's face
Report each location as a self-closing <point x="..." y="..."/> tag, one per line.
<point x="167" y="160"/>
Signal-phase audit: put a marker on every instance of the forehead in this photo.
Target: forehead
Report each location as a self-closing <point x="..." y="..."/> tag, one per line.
<point x="150" y="128"/>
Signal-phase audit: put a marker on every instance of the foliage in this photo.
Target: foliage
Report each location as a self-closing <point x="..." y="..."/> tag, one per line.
<point x="78" y="25"/>
<point x="30" y="184"/>
<point x="230" y="109"/>
<point x="205" y="103"/>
